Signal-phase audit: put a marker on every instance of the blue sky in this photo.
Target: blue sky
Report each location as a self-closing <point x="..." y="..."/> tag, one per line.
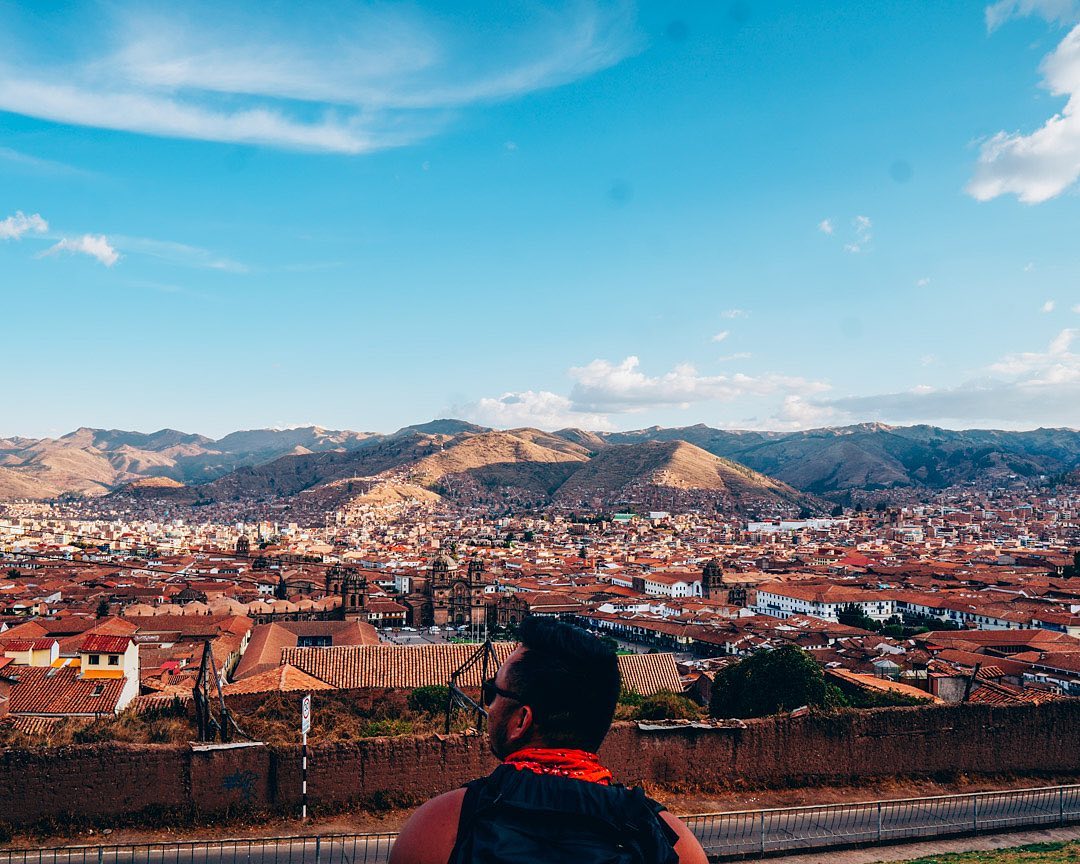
<point x="747" y="214"/>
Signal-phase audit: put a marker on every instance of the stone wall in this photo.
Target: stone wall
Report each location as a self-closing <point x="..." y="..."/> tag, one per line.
<point x="117" y="783"/>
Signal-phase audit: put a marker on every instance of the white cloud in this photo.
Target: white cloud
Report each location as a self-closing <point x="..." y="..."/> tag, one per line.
<point x="1048" y="306"/>
<point x="735" y="313"/>
<point x="798" y="413"/>
<point x="923" y="282"/>
<point x="1021" y="390"/>
<point x="541" y="409"/>
<point x="95" y="245"/>
<point x="606" y="387"/>
<point x="741" y="355"/>
<point x="858" y="237"/>
<point x="1042" y="165"/>
<point x="344" y="81"/>
<point x="1076" y="308"/>
<point x="721" y="336"/>
<point x="1056" y="11"/>
<point x="14" y="227"/>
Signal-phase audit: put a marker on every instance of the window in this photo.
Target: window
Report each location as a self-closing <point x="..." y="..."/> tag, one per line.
<point x="114" y="659"/>
<point x="95" y="660"/>
<point x="99" y="689"/>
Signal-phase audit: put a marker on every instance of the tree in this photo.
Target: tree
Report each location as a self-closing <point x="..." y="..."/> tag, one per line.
<point x="838" y="510"/>
<point x="771" y="682"/>
<point x="102" y="610"/>
<point x="852" y="615"/>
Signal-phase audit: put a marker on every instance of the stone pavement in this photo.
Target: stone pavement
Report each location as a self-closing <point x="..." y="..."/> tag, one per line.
<point x="920" y="849"/>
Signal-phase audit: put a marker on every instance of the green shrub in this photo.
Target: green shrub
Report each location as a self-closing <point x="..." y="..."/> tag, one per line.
<point x="429" y="700"/>
<point x="666" y="705"/>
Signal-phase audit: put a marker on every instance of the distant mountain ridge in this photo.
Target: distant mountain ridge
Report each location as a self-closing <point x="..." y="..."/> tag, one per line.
<point x="455" y="458"/>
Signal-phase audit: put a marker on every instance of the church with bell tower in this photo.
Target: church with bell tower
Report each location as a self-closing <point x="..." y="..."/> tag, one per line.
<point x="715" y="587"/>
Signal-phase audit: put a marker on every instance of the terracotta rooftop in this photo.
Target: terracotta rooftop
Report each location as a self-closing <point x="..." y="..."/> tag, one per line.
<point x="264" y="651"/>
<point x="60" y="691"/>
<point x="98" y="644"/>
<point x="281" y="679"/>
<point x="407" y="667"/>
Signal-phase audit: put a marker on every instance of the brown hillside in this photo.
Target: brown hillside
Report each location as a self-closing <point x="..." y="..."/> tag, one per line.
<point x="628" y="471"/>
<point x="488" y="455"/>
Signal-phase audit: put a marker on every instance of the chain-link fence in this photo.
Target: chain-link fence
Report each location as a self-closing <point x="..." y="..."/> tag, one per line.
<point x="748" y="833"/>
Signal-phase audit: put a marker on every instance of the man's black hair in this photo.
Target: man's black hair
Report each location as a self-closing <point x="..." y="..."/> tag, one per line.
<point x="571" y="681"/>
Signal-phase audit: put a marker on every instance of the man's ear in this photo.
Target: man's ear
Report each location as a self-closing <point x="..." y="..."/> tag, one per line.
<point x="521" y="726"/>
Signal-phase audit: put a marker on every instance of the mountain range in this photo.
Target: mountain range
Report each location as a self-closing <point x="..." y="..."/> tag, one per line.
<point x="659" y="467"/>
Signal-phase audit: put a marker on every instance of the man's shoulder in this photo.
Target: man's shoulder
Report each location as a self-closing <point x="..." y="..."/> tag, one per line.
<point x="687" y="847"/>
<point x="429" y="834"/>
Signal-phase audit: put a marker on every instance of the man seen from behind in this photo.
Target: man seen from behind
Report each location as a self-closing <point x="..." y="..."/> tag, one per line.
<point x="551" y="800"/>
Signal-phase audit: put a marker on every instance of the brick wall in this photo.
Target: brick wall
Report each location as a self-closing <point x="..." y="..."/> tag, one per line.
<point x="113" y="783"/>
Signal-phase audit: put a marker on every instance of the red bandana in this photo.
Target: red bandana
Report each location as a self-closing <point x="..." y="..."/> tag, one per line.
<point x="575" y="764"/>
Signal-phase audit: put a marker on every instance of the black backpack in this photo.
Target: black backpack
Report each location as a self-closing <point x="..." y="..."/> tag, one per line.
<point x="520" y="816"/>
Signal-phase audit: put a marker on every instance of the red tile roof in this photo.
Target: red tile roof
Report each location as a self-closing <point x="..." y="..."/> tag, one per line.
<point x="99" y="644"/>
<point x="406" y="667"/>
<point x="42" y="644"/>
<point x="61" y="691"/>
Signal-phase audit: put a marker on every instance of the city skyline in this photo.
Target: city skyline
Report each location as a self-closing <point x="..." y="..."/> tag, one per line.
<point x="606" y="216"/>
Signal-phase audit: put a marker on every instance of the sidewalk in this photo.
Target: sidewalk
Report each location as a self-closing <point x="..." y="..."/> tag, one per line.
<point x="908" y="851"/>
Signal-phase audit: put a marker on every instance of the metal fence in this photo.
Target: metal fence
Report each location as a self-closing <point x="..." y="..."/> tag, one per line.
<point x="330" y="849"/>
<point x="789" y="829"/>
<point x="747" y="833"/>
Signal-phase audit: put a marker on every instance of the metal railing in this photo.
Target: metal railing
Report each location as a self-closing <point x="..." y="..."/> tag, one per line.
<point x="789" y="829"/>
<point x="746" y="833"/>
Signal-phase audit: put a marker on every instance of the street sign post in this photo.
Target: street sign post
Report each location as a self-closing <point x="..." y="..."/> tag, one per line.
<point x="305" y="727"/>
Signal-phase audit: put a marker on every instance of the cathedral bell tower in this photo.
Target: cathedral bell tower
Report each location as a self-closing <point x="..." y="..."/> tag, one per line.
<point x="712" y="580"/>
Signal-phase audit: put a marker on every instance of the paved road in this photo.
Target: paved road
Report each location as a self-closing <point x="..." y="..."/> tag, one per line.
<point x="746" y="833"/>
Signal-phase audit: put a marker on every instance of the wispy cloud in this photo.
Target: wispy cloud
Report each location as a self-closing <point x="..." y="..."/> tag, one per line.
<point x="1048" y="306"/>
<point x="1056" y="11"/>
<point x="45" y="166"/>
<point x="14" y="227"/>
<point x="95" y="245"/>
<point x="1020" y="390"/>
<point x="721" y="336"/>
<point x="734" y="313"/>
<point x="179" y="253"/>
<point x="1043" y="164"/>
<point x="353" y="81"/>
<point x="862" y="229"/>
<point x="856" y="238"/>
